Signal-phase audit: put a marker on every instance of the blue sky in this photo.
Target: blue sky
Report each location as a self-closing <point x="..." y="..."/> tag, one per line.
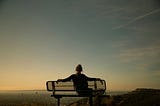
<point x="115" y="40"/>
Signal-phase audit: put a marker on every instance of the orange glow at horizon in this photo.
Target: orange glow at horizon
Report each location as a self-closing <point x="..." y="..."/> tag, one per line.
<point x="45" y="40"/>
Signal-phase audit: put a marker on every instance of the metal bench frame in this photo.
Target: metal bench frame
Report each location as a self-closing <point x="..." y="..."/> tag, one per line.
<point x="59" y="96"/>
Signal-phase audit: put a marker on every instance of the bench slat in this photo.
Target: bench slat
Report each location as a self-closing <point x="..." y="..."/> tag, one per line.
<point x="64" y="87"/>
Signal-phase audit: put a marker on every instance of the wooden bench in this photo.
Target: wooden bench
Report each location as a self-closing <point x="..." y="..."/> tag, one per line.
<point x="66" y="89"/>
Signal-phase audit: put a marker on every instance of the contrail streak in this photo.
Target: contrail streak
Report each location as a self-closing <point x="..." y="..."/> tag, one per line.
<point x="137" y="18"/>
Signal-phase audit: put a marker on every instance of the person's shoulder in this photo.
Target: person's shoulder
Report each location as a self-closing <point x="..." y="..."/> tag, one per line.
<point x="83" y="75"/>
<point x="73" y="75"/>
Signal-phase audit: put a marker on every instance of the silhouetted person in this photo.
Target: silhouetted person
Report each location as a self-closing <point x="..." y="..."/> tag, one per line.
<point x="80" y="81"/>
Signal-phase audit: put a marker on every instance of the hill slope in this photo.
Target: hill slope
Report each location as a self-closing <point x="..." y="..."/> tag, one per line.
<point x="141" y="97"/>
<point x="138" y="97"/>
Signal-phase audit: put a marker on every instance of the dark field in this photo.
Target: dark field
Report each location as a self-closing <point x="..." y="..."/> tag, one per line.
<point x="31" y="98"/>
<point x="138" y="97"/>
<point x="38" y="98"/>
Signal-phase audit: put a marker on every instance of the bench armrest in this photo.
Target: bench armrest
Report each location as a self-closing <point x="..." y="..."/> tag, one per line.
<point x="53" y="86"/>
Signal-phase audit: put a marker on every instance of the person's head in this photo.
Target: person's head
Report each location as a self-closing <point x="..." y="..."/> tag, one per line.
<point x="79" y="68"/>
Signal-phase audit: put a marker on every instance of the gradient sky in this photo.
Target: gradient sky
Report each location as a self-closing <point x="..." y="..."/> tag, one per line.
<point x="116" y="40"/>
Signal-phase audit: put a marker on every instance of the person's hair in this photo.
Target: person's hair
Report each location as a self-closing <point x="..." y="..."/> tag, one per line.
<point x="79" y="68"/>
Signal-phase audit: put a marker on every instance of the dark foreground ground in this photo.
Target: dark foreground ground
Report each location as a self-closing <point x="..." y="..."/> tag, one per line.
<point x="138" y="97"/>
<point x="31" y="98"/>
<point x="21" y="98"/>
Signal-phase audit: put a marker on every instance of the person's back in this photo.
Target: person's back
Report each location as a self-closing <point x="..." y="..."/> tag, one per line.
<point x="80" y="81"/>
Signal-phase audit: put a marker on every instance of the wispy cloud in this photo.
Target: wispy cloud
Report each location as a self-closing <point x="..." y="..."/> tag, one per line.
<point x="134" y="54"/>
<point x="121" y="44"/>
<point x="137" y="49"/>
<point x="137" y="19"/>
<point x="156" y="73"/>
<point x="106" y="11"/>
<point x="142" y="59"/>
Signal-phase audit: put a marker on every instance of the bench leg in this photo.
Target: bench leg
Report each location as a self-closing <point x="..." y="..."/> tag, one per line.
<point x="58" y="101"/>
<point x="90" y="101"/>
<point x="99" y="101"/>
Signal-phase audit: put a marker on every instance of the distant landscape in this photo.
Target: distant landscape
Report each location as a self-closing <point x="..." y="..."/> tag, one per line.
<point x="37" y="98"/>
<point x="138" y="97"/>
<point x="25" y="98"/>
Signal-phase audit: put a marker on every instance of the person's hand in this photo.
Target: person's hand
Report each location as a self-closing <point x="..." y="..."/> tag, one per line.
<point x="59" y="80"/>
<point x="98" y="79"/>
<point x="101" y="82"/>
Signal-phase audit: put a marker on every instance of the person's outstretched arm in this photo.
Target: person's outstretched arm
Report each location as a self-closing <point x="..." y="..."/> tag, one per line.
<point x="92" y="79"/>
<point x="66" y="79"/>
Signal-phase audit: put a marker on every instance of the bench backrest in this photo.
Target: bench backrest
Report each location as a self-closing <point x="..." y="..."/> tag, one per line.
<point x="69" y="87"/>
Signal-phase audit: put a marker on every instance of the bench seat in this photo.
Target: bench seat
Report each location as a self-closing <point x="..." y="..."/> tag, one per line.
<point x="66" y="89"/>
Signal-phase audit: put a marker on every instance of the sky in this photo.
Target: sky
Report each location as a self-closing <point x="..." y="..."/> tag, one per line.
<point x="115" y="40"/>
